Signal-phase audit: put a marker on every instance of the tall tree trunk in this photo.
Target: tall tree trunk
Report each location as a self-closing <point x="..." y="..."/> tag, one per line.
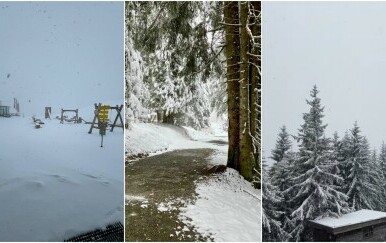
<point x="246" y="156"/>
<point x="231" y="17"/>
<point x="255" y="78"/>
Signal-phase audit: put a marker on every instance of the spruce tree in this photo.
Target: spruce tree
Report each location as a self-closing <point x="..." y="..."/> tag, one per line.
<point x="283" y="144"/>
<point x="242" y="44"/>
<point x="382" y="158"/>
<point x="336" y="157"/>
<point x="179" y="57"/>
<point x="315" y="194"/>
<point x="361" y="179"/>
<point x="377" y="180"/>
<point x="272" y="227"/>
<point x="382" y="167"/>
<point x="279" y="172"/>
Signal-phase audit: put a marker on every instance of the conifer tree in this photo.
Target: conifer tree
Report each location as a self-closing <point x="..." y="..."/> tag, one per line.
<point x="314" y="194"/>
<point x="280" y="170"/>
<point x="272" y="227"/>
<point x="179" y="57"/>
<point x="283" y="144"/>
<point x="382" y="167"/>
<point x="361" y="179"/>
<point x="242" y="45"/>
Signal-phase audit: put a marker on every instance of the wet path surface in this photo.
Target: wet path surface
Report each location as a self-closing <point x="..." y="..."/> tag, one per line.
<point x="156" y="187"/>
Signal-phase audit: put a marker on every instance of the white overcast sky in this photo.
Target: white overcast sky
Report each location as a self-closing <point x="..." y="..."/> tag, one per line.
<point x="61" y="54"/>
<point x="340" y="47"/>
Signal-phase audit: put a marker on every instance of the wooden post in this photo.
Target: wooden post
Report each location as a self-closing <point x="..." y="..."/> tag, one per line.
<point x="61" y="116"/>
<point x="77" y="116"/>
<point x="95" y="116"/>
<point x="118" y="109"/>
<point x="47" y="114"/>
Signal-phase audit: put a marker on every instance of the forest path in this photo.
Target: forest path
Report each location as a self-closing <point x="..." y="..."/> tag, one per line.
<point x="156" y="187"/>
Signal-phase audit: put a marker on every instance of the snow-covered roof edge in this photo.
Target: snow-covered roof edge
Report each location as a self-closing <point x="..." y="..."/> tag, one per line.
<point x="350" y="221"/>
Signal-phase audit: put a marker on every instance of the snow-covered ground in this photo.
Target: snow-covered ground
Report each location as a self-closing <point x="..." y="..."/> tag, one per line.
<point x="56" y="181"/>
<point x="227" y="209"/>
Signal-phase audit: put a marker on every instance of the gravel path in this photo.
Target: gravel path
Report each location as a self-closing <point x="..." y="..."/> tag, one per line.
<point x="156" y="187"/>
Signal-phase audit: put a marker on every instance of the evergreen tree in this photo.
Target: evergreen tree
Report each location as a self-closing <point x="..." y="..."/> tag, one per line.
<point x="280" y="176"/>
<point x="283" y="144"/>
<point x="336" y="157"/>
<point x="361" y="180"/>
<point x="280" y="170"/>
<point x="179" y="56"/>
<point x="343" y="155"/>
<point x="314" y="194"/>
<point x="137" y="93"/>
<point x="242" y="43"/>
<point x="272" y="227"/>
<point x="377" y="180"/>
<point x="382" y="167"/>
<point x="382" y="159"/>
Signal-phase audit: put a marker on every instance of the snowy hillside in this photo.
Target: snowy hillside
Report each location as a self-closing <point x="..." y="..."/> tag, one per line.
<point x="56" y="181"/>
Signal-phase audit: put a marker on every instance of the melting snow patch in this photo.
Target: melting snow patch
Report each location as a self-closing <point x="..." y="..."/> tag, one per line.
<point x="144" y="205"/>
<point x="169" y="206"/>
<point x="224" y="210"/>
<point x="134" y="198"/>
<point x="218" y="158"/>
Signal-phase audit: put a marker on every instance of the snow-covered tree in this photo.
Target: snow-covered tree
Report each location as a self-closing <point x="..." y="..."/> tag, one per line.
<point x="242" y="21"/>
<point x="336" y="156"/>
<point x="314" y="193"/>
<point x="382" y="166"/>
<point x="137" y="93"/>
<point x="382" y="158"/>
<point x="377" y="180"/>
<point x="283" y="144"/>
<point x="180" y="56"/>
<point x="280" y="170"/>
<point x="272" y="227"/>
<point x="361" y="180"/>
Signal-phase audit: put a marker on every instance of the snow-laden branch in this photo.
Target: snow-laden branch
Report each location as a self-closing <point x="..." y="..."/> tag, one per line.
<point x="207" y="64"/>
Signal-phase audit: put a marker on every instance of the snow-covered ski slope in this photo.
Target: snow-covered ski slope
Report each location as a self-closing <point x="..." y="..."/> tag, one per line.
<point x="56" y="181"/>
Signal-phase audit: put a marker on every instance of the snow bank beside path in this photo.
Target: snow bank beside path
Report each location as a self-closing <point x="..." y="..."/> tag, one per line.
<point x="150" y="138"/>
<point x="56" y="181"/>
<point x="147" y="138"/>
<point x="227" y="209"/>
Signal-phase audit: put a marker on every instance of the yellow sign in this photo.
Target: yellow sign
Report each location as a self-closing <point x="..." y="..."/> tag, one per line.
<point x="103" y="113"/>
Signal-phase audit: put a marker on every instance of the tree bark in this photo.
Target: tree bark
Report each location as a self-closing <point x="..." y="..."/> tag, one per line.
<point x="231" y="18"/>
<point x="246" y="156"/>
<point x="255" y="79"/>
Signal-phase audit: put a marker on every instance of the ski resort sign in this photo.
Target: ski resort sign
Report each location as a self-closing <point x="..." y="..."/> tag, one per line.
<point x="103" y="120"/>
<point x="103" y="113"/>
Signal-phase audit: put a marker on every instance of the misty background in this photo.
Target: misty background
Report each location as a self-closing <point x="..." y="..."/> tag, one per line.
<point x="340" y="47"/>
<point x="61" y="54"/>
